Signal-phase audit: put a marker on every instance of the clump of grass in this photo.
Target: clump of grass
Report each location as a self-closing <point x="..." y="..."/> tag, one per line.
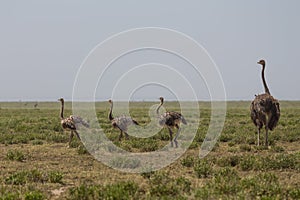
<point x="247" y="163"/>
<point x="229" y="161"/>
<point x="147" y="174"/>
<point x="225" y="182"/>
<point x="280" y="162"/>
<point x="55" y="177"/>
<point x="6" y="194"/>
<point x="34" y="195"/>
<point x="262" y="186"/>
<point x="203" y="169"/>
<point x="294" y="193"/>
<point x="164" y="187"/>
<point x="36" y="176"/>
<point x="226" y="137"/>
<point x="15" y="155"/>
<point x="245" y="147"/>
<point x="18" y="178"/>
<point x="37" y="142"/>
<point x="122" y="162"/>
<point x="82" y="150"/>
<point x="57" y="137"/>
<point x="83" y="192"/>
<point x="188" y="161"/>
<point x="121" y="190"/>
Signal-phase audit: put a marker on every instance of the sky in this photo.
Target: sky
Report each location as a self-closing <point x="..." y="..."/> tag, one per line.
<point x="44" y="43"/>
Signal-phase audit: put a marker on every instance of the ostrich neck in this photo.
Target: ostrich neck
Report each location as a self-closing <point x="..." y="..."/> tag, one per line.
<point x="264" y="80"/>
<point x="62" y="110"/>
<point x="157" y="110"/>
<point x="110" y="112"/>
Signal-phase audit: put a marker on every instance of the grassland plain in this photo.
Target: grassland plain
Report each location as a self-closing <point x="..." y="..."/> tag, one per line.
<point x="35" y="163"/>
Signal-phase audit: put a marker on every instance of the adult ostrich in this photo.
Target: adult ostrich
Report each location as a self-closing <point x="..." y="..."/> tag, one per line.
<point x="121" y="122"/>
<point x="265" y="110"/>
<point x="70" y="123"/>
<point x="170" y="119"/>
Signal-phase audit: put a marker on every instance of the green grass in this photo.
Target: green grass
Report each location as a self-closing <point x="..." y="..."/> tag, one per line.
<point x="35" y="162"/>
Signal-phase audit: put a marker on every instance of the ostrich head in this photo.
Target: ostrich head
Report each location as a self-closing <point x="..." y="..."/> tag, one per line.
<point x="161" y="99"/>
<point x="110" y="101"/>
<point x="61" y="100"/>
<point x="261" y="62"/>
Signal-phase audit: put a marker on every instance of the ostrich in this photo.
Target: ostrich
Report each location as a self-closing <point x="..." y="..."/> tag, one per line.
<point x="70" y="123"/>
<point x="264" y="108"/>
<point x="121" y="122"/>
<point x="170" y="119"/>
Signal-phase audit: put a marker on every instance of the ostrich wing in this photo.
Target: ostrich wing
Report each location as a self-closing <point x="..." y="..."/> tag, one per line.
<point x="79" y="120"/>
<point x="275" y="115"/>
<point x="68" y="124"/>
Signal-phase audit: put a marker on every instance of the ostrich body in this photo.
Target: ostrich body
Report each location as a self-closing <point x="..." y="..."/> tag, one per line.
<point x="170" y="120"/>
<point x="122" y="122"/>
<point x="265" y="110"/>
<point x="71" y="123"/>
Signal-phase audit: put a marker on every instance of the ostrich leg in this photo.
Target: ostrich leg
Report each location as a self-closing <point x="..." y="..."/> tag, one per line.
<point x="267" y="142"/>
<point x="258" y="136"/>
<point x="77" y="134"/>
<point x="121" y="135"/>
<point x="126" y="135"/>
<point x="177" y="134"/>
<point x="171" y="136"/>
<point x="70" y="138"/>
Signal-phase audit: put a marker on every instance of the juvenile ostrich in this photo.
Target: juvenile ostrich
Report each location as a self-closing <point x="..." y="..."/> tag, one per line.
<point x="264" y="108"/>
<point x="71" y="123"/>
<point x="170" y="120"/>
<point x="121" y="122"/>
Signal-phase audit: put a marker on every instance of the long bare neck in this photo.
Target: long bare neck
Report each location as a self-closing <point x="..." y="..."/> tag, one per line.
<point x="110" y="117"/>
<point x="157" y="110"/>
<point x="264" y="80"/>
<point x="62" y="110"/>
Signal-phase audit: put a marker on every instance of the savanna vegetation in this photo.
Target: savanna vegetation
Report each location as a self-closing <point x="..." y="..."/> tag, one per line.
<point x="35" y="162"/>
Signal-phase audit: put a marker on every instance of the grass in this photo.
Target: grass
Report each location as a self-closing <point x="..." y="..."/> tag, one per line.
<point x="35" y="162"/>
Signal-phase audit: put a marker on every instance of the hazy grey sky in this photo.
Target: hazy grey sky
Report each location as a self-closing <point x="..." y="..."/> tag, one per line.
<point x="43" y="43"/>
